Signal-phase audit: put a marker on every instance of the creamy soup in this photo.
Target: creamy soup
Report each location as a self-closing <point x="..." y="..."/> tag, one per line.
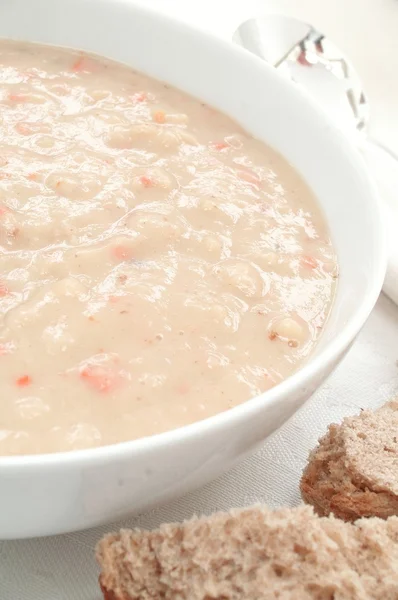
<point x="158" y="265"/>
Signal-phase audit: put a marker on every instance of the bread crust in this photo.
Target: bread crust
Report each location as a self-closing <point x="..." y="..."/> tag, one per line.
<point x="353" y="472"/>
<point x="108" y="594"/>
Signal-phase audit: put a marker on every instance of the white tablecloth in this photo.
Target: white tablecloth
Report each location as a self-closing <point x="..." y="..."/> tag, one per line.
<point x="63" y="567"/>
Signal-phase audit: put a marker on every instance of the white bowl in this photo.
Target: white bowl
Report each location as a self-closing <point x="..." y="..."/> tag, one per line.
<point x="43" y="495"/>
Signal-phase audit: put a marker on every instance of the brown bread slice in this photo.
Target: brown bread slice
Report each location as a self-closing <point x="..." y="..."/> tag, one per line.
<point x="254" y="554"/>
<point x="353" y="472"/>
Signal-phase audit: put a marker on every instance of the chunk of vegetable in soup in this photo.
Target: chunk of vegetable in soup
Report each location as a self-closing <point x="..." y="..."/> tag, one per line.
<point x="158" y="264"/>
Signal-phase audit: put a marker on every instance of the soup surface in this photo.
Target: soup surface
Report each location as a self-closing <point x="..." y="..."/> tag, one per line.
<point x="157" y="264"/>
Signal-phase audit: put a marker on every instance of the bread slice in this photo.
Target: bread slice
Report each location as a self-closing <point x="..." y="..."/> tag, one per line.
<point x="254" y="554"/>
<point x="353" y="472"/>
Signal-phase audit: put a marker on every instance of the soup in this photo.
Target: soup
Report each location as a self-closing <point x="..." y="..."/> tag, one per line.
<point x="158" y="265"/>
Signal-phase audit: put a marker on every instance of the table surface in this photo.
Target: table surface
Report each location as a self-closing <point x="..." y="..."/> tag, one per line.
<point x="63" y="567"/>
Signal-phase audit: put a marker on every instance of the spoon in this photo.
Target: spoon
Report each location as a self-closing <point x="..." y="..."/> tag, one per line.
<point x="305" y="56"/>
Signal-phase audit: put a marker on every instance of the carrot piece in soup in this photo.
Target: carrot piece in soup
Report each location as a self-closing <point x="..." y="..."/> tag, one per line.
<point x="309" y="262"/>
<point x="17" y="98"/>
<point x="249" y="176"/>
<point x="220" y="146"/>
<point x="122" y="252"/>
<point x="4" y="290"/>
<point x="84" y="64"/>
<point x="146" y="181"/>
<point x="99" y="378"/>
<point x="24" y="380"/>
<point x="140" y="97"/>
<point x="159" y="117"/>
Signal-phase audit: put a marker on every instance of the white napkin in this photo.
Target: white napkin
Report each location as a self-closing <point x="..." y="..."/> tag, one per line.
<point x="384" y="168"/>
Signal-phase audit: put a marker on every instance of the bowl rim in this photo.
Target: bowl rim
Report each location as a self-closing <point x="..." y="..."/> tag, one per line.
<point x="326" y="357"/>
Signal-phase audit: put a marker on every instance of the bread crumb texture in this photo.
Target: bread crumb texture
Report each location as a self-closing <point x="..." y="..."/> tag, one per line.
<point x="254" y="554"/>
